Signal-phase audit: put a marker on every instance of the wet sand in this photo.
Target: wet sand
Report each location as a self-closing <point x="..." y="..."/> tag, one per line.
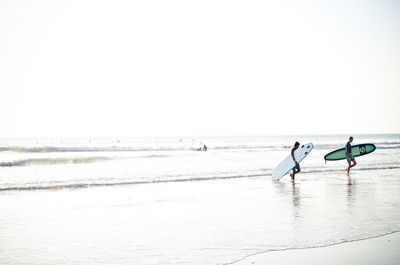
<point x="383" y="250"/>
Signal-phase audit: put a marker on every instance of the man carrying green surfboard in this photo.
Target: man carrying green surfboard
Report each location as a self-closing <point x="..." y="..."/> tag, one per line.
<point x="349" y="155"/>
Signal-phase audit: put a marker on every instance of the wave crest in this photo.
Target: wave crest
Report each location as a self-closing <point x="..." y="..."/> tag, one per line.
<point x="61" y="149"/>
<point x="53" y="161"/>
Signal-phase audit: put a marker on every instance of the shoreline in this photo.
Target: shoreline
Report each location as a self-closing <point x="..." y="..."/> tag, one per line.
<point x="347" y="252"/>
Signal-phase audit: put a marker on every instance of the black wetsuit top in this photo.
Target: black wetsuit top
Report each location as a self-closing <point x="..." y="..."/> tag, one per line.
<point x="348" y="149"/>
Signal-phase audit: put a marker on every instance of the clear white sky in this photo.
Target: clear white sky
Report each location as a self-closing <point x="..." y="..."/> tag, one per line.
<point x="133" y="68"/>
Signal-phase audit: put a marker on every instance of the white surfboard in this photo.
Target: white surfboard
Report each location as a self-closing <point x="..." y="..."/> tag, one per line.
<point x="288" y="164"/>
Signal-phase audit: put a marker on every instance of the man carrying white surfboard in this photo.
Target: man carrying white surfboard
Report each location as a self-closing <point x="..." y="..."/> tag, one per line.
<point x="349" y="155"/>
<point x="296" y="169"/>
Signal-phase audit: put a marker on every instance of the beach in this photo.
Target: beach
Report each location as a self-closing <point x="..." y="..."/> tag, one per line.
<point x="383" y="250"/>
<point x="169" y="132"/>
<point x="156" y="201"/>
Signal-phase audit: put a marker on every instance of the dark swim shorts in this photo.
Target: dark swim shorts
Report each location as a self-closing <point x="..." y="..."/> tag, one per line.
<point x="349" y="157"/>
<point x="297" y="167"/>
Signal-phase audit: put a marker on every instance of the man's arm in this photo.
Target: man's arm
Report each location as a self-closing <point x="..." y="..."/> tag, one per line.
<point x="293" y="156"/>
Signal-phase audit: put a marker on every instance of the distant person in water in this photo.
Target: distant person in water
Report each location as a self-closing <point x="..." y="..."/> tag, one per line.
<point x="204" y="148"/>
<point x="349" y="155"/>
<point x="296" y="169"/>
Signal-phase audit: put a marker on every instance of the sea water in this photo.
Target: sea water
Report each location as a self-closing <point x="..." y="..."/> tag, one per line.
<point x="160" y="201"/>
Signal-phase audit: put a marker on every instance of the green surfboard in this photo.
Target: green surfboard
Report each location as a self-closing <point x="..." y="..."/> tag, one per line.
<point x="356" y="150"/>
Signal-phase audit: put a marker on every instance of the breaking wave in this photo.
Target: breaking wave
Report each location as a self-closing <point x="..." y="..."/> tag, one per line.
<point x="106" y="183"/>
<point x="90" y="183"/>
<point x="60" y="149"/>
<point x="53" y="161"/>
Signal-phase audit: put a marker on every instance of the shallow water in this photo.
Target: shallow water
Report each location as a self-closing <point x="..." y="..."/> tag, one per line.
<point x="227" y="208"/>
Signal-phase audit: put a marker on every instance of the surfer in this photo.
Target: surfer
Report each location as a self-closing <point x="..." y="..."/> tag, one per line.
<point x="349" y="155"/>
<point x="296" y="169"/>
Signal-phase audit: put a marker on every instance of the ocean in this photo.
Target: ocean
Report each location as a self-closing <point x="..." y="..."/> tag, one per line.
<point x="157" y="200"/>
